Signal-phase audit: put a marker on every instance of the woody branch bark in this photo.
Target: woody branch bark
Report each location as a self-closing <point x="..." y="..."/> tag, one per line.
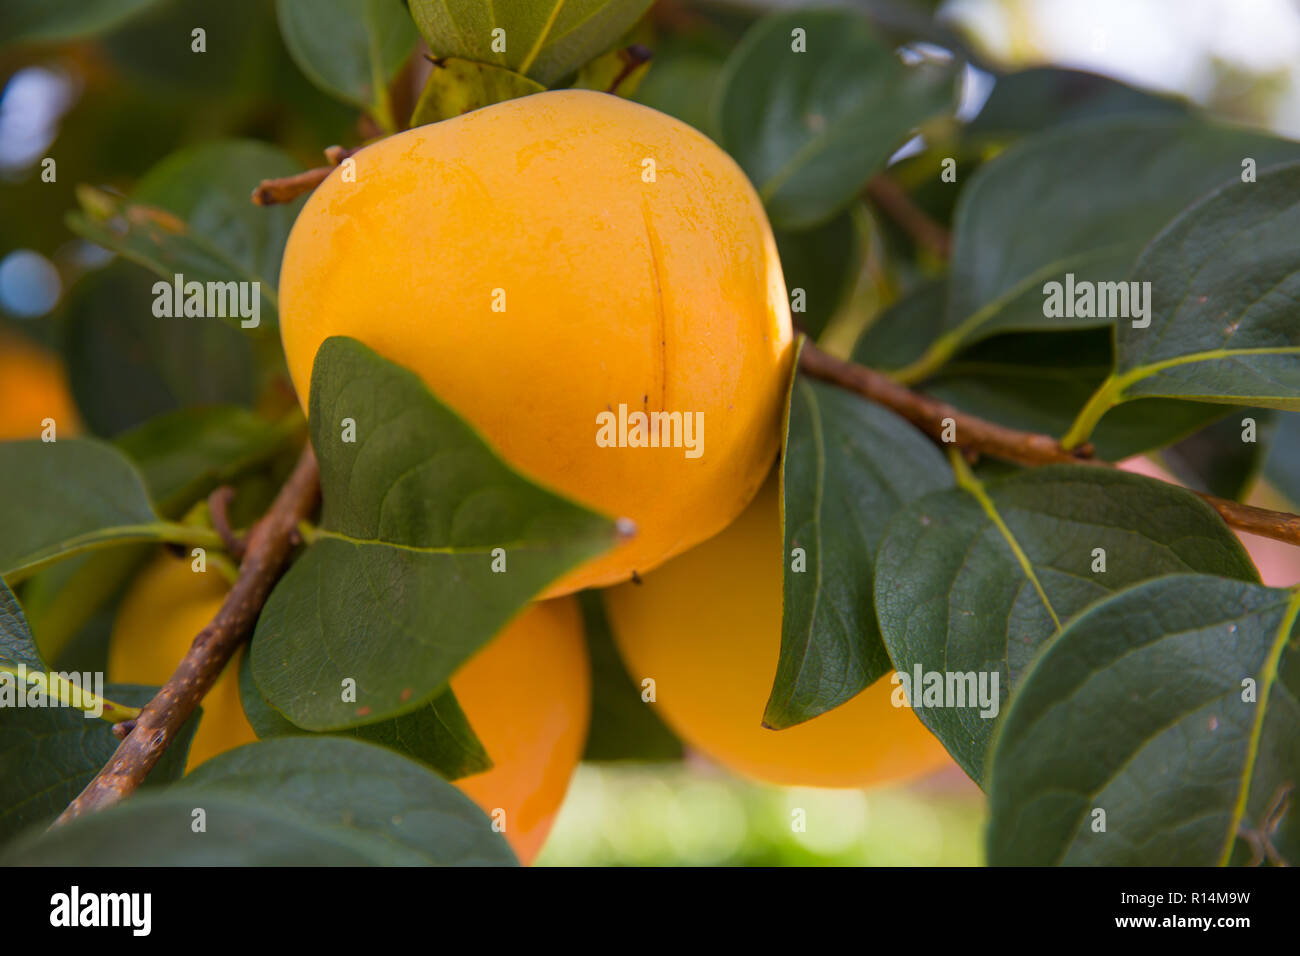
<point x="266" y="553"/>
<point x="1023" y="448"/>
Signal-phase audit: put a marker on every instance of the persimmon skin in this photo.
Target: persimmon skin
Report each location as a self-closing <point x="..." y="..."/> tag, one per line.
<point x="33" y="387"/>
<point x="527" y="695"/>
<point x="609" y="290"/>
<point x="707" y="628"/>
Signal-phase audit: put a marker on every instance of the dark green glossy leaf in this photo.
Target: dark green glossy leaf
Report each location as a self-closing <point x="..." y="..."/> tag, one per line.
<point x="622" y="726"/>
<point x="1039" y="381"/>
<point x="811" y="127"/>
<point x="1140" y="709"/>
<point x="181" y="456"/>
<point x="61" y="498"/>
<point x="683" y="80"/>
<point x="298" y="801"/>
<point x="1219" y="459"/>
<point x="1082" y="199"/>
<point x="459" y="86"/>
<point x="187" y="453"/>
<point x="341" y="786"/>
<point x="397" y="590"/>
<point x="820" y="267"/>
<point x="903" y="331"/>
<point x="848" y="466"/>
<point x="1043" y="96"/>
<point x="16" y="644"/>
<point x="349" y="48"/>
<point x="157" y="830"/>
<point x="437" y="735"/>
<point x="1225" y="279"/>
<point x="543" y="39"/>
<point x="977" y="579"/>
<point x="191" y="215"/>
<point x="127" y="366"/>
<point x="1033" y="381"/>
<point x="48" y="754"/>
<point x="1283" y="466"/>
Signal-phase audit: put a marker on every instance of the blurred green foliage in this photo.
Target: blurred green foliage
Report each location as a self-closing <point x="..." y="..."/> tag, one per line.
<point x="655" y="815"/>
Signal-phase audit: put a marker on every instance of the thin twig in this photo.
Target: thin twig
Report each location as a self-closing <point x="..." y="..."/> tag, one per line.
<point x="219" y="511"/>
<point x="270" y="192"/>
<point x="266" y="555"/>
<point x="913" y="220"/>
<point x="1024" y="448"/>
<point x="632" y="56"/>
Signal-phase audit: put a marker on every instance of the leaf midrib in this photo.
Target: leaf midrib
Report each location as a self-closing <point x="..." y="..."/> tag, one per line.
<point x="967" y="481"/>
<point x="1268" y="679"/>
<point x="539" y="545"/>
<point x="1135" y="375"/>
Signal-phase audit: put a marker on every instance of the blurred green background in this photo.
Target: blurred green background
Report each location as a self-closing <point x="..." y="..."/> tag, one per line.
<point x="695" y="814"/>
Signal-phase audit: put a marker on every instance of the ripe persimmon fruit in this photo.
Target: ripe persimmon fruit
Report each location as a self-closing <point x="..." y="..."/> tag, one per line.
<point x="550" y="260"/>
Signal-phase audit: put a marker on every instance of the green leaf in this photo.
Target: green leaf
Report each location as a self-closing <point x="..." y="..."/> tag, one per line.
<point x="1224" y="280"/>
<point x="48" y="754"/>
<point x="16" y="644"/>
<point x="21" y="661"/>
<point x="1218" y="460"/>
<point x="181" y="457"/>
<point x="157" y="830"/>
<point x="298" y="801"/>
<point x="347" y="786"/>
<point x="1081" y="199"/>
<point x="459" y="86"/>
<point x="1033" y="381"/>
<point x="351" y="49"/>
<point x="1283" y="466"/>
<point x="1138" y="709"/>
<point x="823" y="262"/>
<point x="622" y="726"/>
<point x="544" y="40"/>
<point x="397" y="590"/>
<point x="810" y="128"/>
<point x="903" y="331"/>
<point x="1039" y="381"/>
<point x="185" y="454"/>
<point x="977" y="579"/>
<point x="127" y="366"/>
<point x="848" y="466"/>
<point x="1039" y="97"/>
<point x="437" y="735"/>
<point x="62" y="498"/>
<point x="191" y="215"/>
<point x="54" y="21"/>
<point x="683" y="81"/>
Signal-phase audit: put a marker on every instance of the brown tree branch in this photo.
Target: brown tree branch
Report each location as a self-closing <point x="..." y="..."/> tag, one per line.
<point x="270" y="192"/>
<point x="267" y="553"/>
<point x="913" y="220"/>
<point x="1009" y="444"/>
